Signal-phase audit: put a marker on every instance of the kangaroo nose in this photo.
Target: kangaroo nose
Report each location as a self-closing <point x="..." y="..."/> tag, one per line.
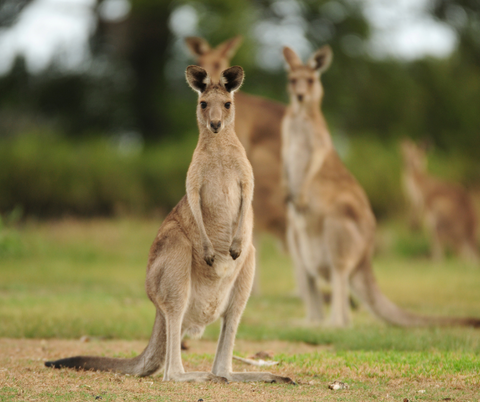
<point x="215" y="125"/>
<point x="300" y="98"/>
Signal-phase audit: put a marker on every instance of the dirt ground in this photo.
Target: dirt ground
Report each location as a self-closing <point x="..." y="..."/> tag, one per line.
<point x="23" y="377"/>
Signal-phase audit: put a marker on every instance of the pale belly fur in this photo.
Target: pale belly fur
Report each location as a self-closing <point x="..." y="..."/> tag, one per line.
<point x="221" y="212"/>
<point x="209" y="300"/>
<point x="311" y="244"/>
<point x="298" y="155"/>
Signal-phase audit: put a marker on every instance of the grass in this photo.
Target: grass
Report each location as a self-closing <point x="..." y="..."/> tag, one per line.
<point x="66" y="279"/>
<point x="377" y="375"/>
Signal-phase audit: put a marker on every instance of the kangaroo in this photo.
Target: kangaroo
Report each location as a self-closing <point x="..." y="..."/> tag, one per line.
<point x="201" y="264"/>
<point x="330" y="223"/>
<point x="257" y="125"/>
<point x="445" y="208"/>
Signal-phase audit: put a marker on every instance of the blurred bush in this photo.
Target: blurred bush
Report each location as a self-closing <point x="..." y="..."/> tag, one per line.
<point x="47" y="175"/>
<point x="50" y="176"/>
<point x="10" y="242"/>
<point x="377" y="165"/>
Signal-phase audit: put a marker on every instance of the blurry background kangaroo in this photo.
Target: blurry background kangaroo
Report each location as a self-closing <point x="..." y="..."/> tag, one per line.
<point x="257" y="124"/>
<point x="202" y="262"/>
<point x="330" y="224"/>
<point x="445" y="209"/>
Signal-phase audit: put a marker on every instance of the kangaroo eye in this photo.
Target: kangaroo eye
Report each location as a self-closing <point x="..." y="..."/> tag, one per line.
<point x="203" y="105"/>
<point x="293" y="81"/>
<point x="310" y="81"/>
<point x="228" y="104"/>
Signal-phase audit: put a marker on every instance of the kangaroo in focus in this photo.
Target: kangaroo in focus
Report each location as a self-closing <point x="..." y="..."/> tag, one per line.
<point x="258" y="125"/>
<point x="445" y="208"/>
<point x="201" y="264"/>
<point x="330" y="224"/>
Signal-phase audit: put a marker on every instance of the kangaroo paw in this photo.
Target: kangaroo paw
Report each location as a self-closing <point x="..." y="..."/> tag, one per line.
<point x="209" y="255"/>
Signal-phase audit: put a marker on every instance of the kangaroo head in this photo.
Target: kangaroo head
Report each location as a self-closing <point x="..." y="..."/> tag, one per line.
<point x="214" y="60"/>
<point x="215" y="109"/>
<point x="304" y="84"/>
<point x="414" y="157"/>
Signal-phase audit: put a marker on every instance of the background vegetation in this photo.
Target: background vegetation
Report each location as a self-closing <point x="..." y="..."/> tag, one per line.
<point x="115" y="134"/>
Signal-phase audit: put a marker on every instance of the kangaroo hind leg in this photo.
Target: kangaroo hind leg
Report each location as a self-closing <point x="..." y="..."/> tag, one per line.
<point x="307" y="284"/>
<point x="168" y="286"/>
<point x="345" y="246"/>
<point x="222" y="366"/>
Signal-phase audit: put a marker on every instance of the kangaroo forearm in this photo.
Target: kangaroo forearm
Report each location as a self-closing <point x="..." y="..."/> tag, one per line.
<point x="246" y="193"/>
<point x="194" y="202"/>
<point x="241" y="221"/>
<point x="313" y="168"/>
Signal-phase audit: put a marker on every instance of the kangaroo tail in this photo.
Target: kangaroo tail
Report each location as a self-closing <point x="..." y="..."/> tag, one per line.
<point x="148" y="362"/>
<point x="365" y="287"/>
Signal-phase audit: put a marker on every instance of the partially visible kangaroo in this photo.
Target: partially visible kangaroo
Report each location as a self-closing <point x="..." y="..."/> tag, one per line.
<point x="202" y="262"/>
<point x="445" y="208"/>
<point x="330" y="224"/>
<point x="257" y="125"/>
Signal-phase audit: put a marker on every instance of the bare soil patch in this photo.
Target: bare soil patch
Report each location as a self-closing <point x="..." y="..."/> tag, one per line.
<point x="23" y="377"/>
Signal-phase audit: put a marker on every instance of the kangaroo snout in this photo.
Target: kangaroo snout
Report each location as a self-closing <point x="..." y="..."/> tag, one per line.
<point x="215" y="125"/>
<point x="300" y="98"/>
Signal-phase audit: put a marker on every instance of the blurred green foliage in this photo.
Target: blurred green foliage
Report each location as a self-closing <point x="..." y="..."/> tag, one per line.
<point x="377" y="165"/>
<point x="46" y="175"/>
<point x="134" y="85"/>
<point x="10" y="241"/>
<point x="50" y="176"/>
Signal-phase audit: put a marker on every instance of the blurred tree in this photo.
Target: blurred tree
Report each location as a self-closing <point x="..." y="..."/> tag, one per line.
<point x="10" y="10"/>
<point x="457" y="84"/>
<point x="135" y="79"/>
<point x="146" y="54"/>
<point x="464" y="17"/>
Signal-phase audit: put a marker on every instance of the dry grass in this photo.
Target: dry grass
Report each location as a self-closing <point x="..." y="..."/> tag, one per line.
<point x="23" y="376"/>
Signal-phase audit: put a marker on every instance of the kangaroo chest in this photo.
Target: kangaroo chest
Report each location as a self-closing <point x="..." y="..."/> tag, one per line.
<point x="220" y="202"/>
<point x="298" y="154"/>
<point x="413" y="190"/>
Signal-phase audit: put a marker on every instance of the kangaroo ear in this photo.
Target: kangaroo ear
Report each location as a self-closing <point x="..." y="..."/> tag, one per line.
<point x="196" y="45"/>
<point x="232" y="78"/>
<point x="197" y="78"/>
<point x="230" y="46"/>
<point x="291" y="58"/>
<point x="321" y="59"/>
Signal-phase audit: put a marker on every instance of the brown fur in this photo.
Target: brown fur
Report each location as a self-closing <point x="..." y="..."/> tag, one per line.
<point x="202" y="262"/>
<point x="257" y="125"/>
<point x="330" y="224"/>
<point x="445" y="209"/>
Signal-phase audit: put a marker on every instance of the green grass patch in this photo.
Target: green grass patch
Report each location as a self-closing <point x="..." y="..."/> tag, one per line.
<point x="76" y="278"/>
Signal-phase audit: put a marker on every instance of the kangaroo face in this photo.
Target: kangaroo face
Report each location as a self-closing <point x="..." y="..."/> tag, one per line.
<point x="304" y="84"/>
<point x="215" y="109"/>
<point x="213" y="60"/>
